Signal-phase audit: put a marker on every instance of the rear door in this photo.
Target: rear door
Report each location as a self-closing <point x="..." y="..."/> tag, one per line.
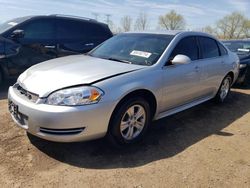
<point x="212" y="63"/>
<point x="37" y="45"/>
<point x="98" y="33"/>
<point x="75" y="36"/>
<point x="181" y="83"/>
<point x="79" y="36"/>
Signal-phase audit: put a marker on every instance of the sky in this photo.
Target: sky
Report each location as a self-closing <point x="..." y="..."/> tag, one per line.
<point x="197" y="13"/>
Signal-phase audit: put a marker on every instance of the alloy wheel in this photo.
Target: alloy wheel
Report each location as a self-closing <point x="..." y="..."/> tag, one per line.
<point x="225" y="87"/>
<point x="133" y="122"/>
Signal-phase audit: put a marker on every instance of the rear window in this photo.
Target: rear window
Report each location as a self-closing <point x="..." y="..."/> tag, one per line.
<point x="209" y="47"/>
<point x="223" y="50"/>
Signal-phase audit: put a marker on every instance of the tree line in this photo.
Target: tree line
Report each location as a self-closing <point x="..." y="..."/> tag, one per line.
<point x="233" y="26"/>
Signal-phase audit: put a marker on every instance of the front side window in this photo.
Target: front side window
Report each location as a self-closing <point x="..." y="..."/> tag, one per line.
<point x="134" y="48"/>
<point x="39" y="29"/>
<point x="187" y="46"/>
<point x="209" y="47"/>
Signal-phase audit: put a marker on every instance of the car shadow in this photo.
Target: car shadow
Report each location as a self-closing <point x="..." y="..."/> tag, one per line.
<point x="238" y="86"/>
<point x="166" y="138"/>
<point x="4" y="88"/>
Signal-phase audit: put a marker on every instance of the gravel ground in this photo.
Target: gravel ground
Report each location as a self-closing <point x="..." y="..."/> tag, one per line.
<point x="206" y="146"/>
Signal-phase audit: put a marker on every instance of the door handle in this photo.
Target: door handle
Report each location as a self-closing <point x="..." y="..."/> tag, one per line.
<point x="50" y="46"/>
<point x="89" y="44"/>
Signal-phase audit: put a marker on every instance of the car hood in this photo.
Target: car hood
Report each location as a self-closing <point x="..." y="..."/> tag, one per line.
<point x="46" y="77"/>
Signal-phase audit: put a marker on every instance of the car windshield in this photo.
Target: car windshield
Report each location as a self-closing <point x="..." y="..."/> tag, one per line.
<point x="238" y="46"/>
<point x="11" y="23"/>
<point x="133" y="48"/>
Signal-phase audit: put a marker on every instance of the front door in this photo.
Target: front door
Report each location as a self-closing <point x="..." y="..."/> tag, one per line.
<point x="37" y="45"/>
<point x="181" y="83"/>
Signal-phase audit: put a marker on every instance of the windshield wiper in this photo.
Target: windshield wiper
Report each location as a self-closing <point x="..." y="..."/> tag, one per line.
<point x="119" y="60"/>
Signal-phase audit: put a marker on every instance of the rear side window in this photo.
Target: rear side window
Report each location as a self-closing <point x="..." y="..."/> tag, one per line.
<point x="209" y="47"/>
<point x="74" y="30"/>
<point x="39" y="29"/>
<point x="97" y="31"/>
<point x="69" y="29"/>
<point x="187" y="46"/>
<point x="223" y="50"/>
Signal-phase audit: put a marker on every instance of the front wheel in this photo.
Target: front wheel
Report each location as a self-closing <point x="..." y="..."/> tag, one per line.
<point x="130" y="122"/>
<point x="224" y="89"/>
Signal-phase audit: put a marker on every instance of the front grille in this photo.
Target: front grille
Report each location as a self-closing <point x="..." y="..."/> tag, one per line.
<point x="24" y="93"/>
<point x="62" y="131"/>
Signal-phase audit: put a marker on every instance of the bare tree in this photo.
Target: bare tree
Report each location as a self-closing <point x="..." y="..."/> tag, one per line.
<point x="210" y="30"/>
<point x="141" y="22"/>
<point x="172" y="21"/>
<point x="126" y="23"/>
<point x="232" y="26"/>
<point x="112" y="26"/>
<point x="247" y="29"/>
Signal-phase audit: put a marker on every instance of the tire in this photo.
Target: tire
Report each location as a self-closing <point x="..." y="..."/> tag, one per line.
<point x="224" y="89"/>
<point x="134" y="127"/>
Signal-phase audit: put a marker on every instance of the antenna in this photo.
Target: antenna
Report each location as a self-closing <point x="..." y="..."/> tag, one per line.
<point x="108" y="18"/>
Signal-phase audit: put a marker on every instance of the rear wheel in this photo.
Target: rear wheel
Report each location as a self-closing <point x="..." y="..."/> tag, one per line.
<point x="224" y="89"/>
<point x="130" y="122"/>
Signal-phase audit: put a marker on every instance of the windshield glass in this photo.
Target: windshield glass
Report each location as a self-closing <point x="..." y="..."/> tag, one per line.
<point x="134" y="48"/>
<point x="238" y="46"/>
<point x="11" y="23"/>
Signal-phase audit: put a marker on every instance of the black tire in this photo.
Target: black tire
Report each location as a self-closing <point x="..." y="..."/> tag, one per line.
<point x="220" y="97"/>
<point x="115" y="134"/>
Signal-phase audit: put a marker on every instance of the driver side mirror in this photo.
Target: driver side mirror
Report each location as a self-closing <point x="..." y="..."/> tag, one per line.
<point x="17" y="34"/>
<point x="181" y="59"/>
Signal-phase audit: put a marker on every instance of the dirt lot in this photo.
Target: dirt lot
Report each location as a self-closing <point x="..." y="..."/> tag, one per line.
<point x="206" y="146"/>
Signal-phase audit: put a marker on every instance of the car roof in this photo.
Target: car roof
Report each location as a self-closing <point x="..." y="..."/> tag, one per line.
<point x="72" y="17"/>
<point x="62" y="16"/>
<point x="174" y="32"/>
<point x="236" y="40"/>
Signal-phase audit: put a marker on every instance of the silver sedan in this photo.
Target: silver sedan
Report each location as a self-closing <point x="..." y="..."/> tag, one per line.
<point x="123" y="84"/>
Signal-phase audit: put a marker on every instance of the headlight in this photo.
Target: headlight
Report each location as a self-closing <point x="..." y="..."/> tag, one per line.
<point x="75" y="96"/>
<point x="242" y="66"/>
